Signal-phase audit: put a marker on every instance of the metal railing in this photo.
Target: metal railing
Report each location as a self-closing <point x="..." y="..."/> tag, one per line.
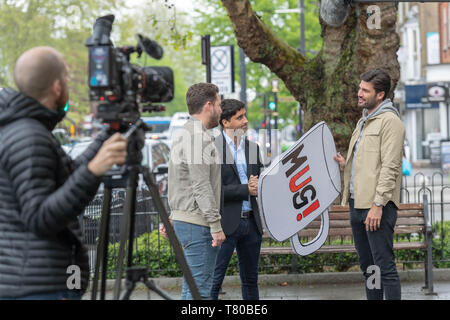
<point x="149" y="245"/>
<point x="437" y="187"/>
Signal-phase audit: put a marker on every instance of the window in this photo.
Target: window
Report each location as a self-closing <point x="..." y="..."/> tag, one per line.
<point x="165" y="151"/>
<point x="145" y="161"/>
<point x="416" y="54"/>
<point x="415" y="43"/>
<point x="157" y="156"/>
<point x="400" y="13"/>
<point x="444" y="29"/>
<point x="448" y="25"/>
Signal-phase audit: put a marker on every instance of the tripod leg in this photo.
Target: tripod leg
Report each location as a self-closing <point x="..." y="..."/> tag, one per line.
<point x="107" y="211"/>
<point x="150" y="284"/>
<point x="127" y="231"/>
<point x="102" y="246"/>
<point x="131" y="211"/>
<point x="119" y="265"/>
<point x="179" y="254"/>
<point x="127" y="293"/>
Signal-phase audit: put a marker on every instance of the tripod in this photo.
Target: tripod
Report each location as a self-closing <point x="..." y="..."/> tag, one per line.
<point x="129" y="178"/>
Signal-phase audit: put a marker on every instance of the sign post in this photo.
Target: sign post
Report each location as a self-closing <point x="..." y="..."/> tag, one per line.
<point x="222" y="68"/>
<point x="206" y="56"/>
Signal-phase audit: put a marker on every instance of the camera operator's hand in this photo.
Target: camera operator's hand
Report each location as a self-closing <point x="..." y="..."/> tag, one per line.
<point x="113" y="151"/>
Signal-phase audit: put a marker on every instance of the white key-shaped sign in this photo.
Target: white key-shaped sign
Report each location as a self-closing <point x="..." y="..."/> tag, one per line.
<point x="299" y="186"/>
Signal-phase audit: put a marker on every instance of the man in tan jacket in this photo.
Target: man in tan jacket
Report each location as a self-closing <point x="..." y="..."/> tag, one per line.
<point x="372" y="177"/>
<point x="195" y="187"/>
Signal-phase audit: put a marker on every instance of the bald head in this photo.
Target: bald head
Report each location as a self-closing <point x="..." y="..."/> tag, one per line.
<point x="37" y="70"/>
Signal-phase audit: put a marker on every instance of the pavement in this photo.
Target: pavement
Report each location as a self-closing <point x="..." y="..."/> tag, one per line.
<point x="314" y="286"/>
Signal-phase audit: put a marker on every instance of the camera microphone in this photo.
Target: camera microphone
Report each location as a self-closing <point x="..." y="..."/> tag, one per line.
<point x="152" y="48"/>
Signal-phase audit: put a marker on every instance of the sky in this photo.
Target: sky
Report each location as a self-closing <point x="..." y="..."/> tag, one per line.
<point x="184" y="5"/>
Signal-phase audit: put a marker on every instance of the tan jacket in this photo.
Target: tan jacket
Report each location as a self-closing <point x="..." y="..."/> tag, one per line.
<point x="195" y="177"/>
<point x="378" y="166"/>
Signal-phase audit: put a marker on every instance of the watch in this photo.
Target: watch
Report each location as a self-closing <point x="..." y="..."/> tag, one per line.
<point x="378" y="204"/>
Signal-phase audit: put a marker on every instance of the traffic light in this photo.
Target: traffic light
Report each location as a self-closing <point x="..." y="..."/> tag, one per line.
<point x="272" y="106"/>
<point x="66" y="107"/>
<point x="263" y="125"/>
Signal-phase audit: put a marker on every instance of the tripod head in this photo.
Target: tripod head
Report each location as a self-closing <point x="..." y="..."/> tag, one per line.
<point x="117" y="177"/>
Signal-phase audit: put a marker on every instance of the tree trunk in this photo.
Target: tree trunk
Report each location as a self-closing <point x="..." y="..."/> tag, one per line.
<point x="326" y="85"/>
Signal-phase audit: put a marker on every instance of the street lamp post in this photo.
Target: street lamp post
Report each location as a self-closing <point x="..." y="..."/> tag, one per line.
<point x="274" y="143"/>
<point x="243" y="76"/>
<point x="301" y="5"/>
<point x="275" y="84"/>
<point x="301" y="49"/>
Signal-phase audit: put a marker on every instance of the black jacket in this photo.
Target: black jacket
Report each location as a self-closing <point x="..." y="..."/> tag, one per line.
<point x="42" y="191"/>
<point x="233" y="192"/>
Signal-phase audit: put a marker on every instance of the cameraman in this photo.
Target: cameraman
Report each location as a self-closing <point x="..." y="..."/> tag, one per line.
<point x="42" y="191"/>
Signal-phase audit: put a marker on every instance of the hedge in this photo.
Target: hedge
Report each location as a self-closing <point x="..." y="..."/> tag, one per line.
<point x="155" y="252"/>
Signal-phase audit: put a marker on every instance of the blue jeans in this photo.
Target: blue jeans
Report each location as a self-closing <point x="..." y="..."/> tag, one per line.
<point x="200" y="256"/>
<point x="58" y="295"/>
<point x="247" y="241"/>
<point x="376" y="248"/>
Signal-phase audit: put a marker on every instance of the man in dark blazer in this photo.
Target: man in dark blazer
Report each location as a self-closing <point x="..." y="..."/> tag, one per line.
<point x="241" y="222"/>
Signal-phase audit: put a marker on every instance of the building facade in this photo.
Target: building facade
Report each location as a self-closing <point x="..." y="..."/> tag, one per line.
<point x="424" y="58"/>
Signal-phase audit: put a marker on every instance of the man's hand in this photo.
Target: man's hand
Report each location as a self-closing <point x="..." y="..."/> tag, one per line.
<point x="373" y="219"/>
<point x="340" y="160"/>
<point x="113" y="151"/>
<point x="218" y="238"/>
<point x="253" y="185"/>
<point x="162" y="229"/>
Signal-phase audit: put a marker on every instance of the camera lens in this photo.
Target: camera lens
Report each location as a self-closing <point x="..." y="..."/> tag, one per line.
<point x="157" y="84"/>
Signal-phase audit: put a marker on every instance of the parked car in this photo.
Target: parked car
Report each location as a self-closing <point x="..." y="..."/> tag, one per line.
<point x="155" y="156"/>
<point x="178" y="120"/>
<point x="159" y="127"/>
<point x="79" y="148"/>
<point x="61" y="135"/>
<point x="288" y="137"/>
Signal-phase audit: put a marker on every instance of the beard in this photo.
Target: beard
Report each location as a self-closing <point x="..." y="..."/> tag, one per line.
<point x="63" y="98"/>
<point x="61" y="102"/>
<point x="214" y="119"/>
<point x="369" y="104"/>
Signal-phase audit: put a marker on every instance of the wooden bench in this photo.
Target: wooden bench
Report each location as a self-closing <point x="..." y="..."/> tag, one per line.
<point x="412" y="219"/>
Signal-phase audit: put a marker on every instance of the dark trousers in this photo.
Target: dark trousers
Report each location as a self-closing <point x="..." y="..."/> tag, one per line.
<point x="376" y="248"/>
<point x="247" y="241"/>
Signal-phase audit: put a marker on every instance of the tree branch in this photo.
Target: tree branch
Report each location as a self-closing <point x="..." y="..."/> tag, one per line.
<point x="262" y="45"/>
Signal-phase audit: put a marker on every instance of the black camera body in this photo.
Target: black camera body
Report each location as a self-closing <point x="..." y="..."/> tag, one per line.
<point x="124" y="90"/>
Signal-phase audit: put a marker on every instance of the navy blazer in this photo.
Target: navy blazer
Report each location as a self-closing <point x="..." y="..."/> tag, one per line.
<point x="233" y="192"/>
